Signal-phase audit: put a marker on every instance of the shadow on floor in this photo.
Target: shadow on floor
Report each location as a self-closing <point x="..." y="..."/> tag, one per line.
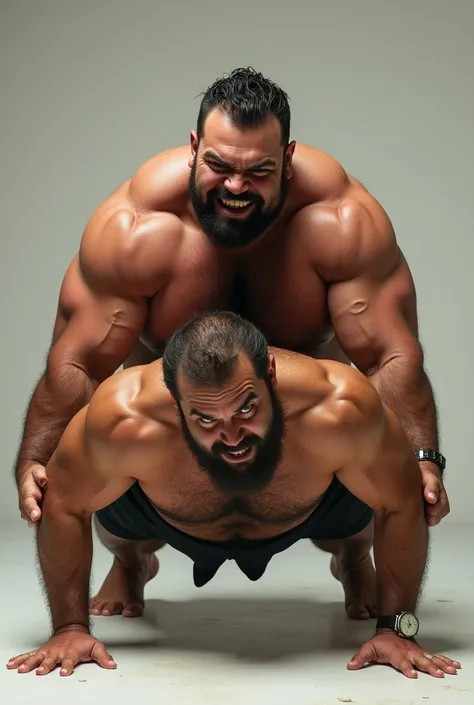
<point x="249" y="629"/>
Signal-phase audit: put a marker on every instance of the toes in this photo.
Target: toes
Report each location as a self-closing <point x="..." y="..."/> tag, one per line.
<point x="135" y="609"/>
<point x="356" y="611"/>
<point x="106" y="608"/>
<point x="111" y="608"/>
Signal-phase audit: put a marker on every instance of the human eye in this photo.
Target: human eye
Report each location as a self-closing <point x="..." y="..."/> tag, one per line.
<point x="206" y="420"/>
<point x="215" y="166"/>
<point x="246" y="409"/>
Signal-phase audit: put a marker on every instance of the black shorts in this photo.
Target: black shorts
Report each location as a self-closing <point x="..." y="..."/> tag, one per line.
<point x="339" y="515"/>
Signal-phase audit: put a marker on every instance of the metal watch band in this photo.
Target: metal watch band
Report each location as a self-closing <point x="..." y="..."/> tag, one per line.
<point x="433" y="456"/>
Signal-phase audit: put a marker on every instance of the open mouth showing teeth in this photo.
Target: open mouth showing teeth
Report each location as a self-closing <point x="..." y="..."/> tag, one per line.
<point x="238" y="453"/>
<point x="233" y="205"/>
<point x="242" y="455"/>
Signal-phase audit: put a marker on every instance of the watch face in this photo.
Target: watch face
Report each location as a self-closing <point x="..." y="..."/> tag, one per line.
<point x="408" y="625"/>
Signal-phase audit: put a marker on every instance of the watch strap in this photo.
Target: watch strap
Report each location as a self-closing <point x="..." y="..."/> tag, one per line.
<point x="387" y="622"/>
<point x="432" y="456"/>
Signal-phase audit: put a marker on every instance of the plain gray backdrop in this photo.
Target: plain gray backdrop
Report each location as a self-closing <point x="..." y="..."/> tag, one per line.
<point x="91" y="89"/>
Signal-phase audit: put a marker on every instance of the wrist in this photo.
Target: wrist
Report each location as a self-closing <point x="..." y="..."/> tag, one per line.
<point x="432" y="458"/>
<point x="83" y="628"/>
<point x="393" y="633"/>
<point x="386" y="630"/>
<point x="25" y="466"/>
<point x="427" y="465"/>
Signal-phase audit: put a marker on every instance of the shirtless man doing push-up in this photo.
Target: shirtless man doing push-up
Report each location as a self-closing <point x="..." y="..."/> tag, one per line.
<point x="225" y="449"/>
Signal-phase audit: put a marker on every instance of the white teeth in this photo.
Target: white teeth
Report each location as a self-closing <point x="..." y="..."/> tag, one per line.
<point x="238" y="452"/>
<point x="235" y="204"/>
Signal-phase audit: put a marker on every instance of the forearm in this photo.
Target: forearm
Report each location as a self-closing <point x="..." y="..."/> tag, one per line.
<point x="404" y="387"/>
<point x="400" y="552"/>
<point x="58" y="396"/>
<point x="64" y="544"/>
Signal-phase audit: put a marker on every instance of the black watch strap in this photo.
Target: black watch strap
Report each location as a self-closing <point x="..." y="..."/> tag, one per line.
<point x="433" y="456"/>
<point x="387" y="622"/>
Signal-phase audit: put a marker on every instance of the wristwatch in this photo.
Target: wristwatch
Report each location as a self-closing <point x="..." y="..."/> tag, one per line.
<point x="405" y="624"/>
<point x="433" y="456"/>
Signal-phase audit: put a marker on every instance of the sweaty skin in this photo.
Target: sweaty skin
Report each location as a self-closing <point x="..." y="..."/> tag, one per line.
<point x="329" y="266"/>
<point x="130" y="431"/>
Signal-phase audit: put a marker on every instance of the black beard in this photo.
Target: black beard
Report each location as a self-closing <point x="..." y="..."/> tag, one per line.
<point x="246" y="477"/>
<point x="227" y="232"/>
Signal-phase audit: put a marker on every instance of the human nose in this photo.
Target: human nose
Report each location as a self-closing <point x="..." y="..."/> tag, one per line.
<point x="231" y="434"/>
<point x="236" y="183"/>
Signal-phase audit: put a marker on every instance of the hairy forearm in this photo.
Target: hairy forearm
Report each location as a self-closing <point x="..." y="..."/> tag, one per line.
<point x="400" y="552"/>
<point x="404" y="387"/>
<point x="58" y="396"/>
<point x="64" y="543"/>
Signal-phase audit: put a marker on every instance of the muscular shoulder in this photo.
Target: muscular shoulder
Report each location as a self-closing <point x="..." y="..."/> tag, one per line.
<point x="346" y="229"/>
<point x="161" y="183"/>
<point x="131" y="241"/>
<point x="317" y="176"/>
<point x="352" y="398"/>
<point x="120" y="415"/>
<point x="338" y="400"/>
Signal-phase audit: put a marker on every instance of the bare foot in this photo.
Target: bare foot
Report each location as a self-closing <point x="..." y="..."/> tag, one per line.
<point x="360" y="588"/>
<point x="123" y="588"/>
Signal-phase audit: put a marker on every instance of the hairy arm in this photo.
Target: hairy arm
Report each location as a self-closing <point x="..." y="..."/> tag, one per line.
<point x="85" y="473"/>
<point x="102" y="310"/>
<point x="381" y="470"/>
<point x="372" y="302"/>
<point x="97" y="324"/>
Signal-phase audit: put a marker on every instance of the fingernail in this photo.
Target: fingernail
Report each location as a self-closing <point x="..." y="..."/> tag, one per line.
<point x="34" y="514"/>
<point x="432" y="495"/>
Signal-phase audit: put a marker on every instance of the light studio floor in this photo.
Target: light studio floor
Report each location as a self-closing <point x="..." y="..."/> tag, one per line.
<point x="281" y="641"/>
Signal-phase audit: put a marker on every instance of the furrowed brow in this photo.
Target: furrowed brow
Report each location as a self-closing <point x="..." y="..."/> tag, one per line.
<point x="248" y="399"/>
<point x="196" y="412"/>
<point x="263" y="164"/>
<point x="216" y="158"/>
<point x="266" y="163"/>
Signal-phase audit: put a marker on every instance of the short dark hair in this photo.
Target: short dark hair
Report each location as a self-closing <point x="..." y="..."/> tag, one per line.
<point x="249" y="99"/>
<point x="207" y="347"/>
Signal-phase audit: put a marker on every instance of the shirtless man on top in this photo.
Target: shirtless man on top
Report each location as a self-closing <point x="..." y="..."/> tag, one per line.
<point x="245" y="220"/>
<point x="226" y="450"/>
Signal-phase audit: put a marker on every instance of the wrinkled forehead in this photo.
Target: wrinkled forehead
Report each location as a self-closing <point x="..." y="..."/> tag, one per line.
<point x="236" y="388"/>
<point x="239" y="144"/>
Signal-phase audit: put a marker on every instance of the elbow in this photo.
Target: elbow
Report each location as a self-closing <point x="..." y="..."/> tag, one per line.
<point x="407" y="358"/>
